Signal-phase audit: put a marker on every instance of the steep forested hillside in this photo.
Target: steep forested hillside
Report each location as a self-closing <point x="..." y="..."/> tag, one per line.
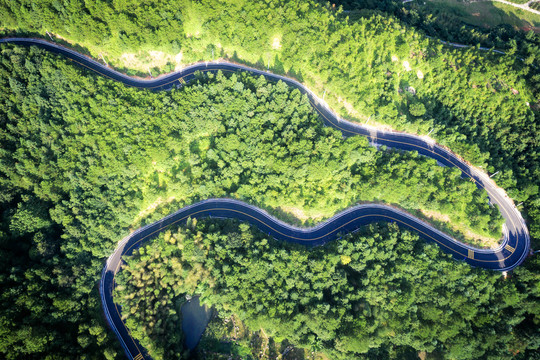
<point x="378" y="294"/>
<point x="84" y="158"/>
<point x="484" y="107"/>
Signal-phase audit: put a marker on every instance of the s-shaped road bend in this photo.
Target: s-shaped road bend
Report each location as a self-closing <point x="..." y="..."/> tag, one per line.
<point x="511" y="253"/>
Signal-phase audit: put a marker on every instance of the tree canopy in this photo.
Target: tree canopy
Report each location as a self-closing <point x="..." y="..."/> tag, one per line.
<point x="483" y="106"/>
<point x="374" y="294"/>
<point x="83" y="160"/>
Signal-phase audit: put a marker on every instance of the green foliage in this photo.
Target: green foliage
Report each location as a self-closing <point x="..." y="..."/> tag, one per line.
<point x="82" y="156"/>
<point x="417" y="109"/>
<point x="522" y="57"/>
<point x="29" y="217"/>
<point x="483" y="107"/>
<point x="89" y="156"/>
<point x="236" y="135"/>
<point x="397" y="292"/>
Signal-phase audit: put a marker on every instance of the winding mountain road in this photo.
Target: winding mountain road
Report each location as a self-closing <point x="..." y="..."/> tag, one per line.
<point x="511" y="253"/>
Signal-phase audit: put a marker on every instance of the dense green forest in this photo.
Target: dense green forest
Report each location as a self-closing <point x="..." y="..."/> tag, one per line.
<point x="445" y="25"/>
<point x="378" y="294"/>
<point x="84" y="159"/>
<point x="483" y="106"/>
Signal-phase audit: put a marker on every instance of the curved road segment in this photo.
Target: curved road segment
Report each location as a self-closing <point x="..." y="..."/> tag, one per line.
<point x="511" y="253"/>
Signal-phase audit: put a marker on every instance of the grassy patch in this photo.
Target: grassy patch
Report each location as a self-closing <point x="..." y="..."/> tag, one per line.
<point x="489" y="14"/>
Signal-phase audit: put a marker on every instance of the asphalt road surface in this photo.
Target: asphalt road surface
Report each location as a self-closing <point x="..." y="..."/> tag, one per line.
<point x="511" y="253"/>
